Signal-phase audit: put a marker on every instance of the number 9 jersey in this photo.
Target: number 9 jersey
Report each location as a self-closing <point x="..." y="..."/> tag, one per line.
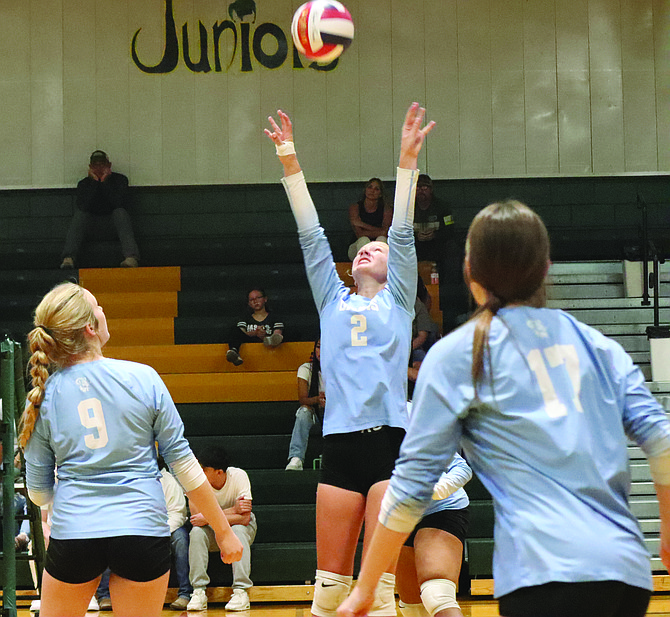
<point x="97" y="428"/>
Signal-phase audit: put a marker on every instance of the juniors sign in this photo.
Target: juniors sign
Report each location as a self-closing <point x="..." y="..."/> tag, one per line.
<point x="249" y="44"/>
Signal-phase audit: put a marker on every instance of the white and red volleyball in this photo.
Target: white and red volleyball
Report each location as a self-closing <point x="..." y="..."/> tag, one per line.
<point x="322" y="30"/>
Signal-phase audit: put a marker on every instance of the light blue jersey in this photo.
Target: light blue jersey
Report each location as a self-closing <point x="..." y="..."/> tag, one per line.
<point x="547" y="438"/>
<point x="365" y="343"/>
<point x="97" y="427"/>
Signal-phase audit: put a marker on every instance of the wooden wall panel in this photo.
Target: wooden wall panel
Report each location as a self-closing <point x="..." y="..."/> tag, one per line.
<point x="539" y="87"/>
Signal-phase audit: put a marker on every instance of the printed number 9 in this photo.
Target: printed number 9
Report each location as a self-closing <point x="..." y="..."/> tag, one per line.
<point x="360" y="325"/>
<point x="91" y="416"/>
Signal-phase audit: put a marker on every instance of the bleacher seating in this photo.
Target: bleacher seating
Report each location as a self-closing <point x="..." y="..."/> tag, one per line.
<point x="175" y="320"/>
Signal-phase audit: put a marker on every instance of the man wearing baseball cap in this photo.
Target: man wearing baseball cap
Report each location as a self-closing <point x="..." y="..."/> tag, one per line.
<point x="102" y="192"/>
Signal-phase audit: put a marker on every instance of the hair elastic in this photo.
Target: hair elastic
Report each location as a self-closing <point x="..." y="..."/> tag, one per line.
<point x="49" y="332"/>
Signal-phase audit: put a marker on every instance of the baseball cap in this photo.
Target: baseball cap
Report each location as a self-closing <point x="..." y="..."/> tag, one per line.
<point x="99" y="156"/>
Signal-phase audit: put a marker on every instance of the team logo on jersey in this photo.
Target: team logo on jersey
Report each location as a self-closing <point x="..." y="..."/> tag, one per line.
<point x="82" y="382"/>
<point x="538" y="328"/>
<point x="346" y="306"/>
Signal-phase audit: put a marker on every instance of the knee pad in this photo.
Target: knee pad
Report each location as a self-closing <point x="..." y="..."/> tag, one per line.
<point x="438" y="594"/>
<point x="412" y="610"/>
<point x="330" y="590"/>
<point x="384" y="604"/>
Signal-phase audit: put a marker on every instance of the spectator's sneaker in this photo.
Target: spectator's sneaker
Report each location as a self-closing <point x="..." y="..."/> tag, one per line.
<point x="239" y="601"/>
<point x="129" y="262"/>
<point x="198" y="601"/>
<point x="295" y="464"/>
<point x="273" y="340"/>
<point x="35" y="606"/>
<point x="105" y="604"/>
<point x="93" y="605"/>
<point x="234" y="357"/>
<point x="67" y="263"/>
<point x="180" y="603"/>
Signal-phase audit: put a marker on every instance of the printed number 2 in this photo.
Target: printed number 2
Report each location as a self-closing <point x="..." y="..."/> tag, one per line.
<point x="556" y="355"/>
<point x="360" y="325"/>
<point x="91" y="416"/>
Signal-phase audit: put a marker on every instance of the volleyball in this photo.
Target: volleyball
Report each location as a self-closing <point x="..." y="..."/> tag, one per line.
<point x="322" y="30"/>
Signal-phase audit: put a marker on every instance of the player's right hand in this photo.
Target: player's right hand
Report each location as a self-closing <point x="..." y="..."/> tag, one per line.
<point x="230" y="546"/>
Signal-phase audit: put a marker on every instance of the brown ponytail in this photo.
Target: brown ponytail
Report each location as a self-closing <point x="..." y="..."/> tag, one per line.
<point x="507" y="253"/>
<point x="58" y="337"/>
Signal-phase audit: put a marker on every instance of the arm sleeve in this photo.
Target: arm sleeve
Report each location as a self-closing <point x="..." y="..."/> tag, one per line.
<point x="457" y="476"/>
<point x="189" y="473"/>
<point x="322" y="275"/>
<point x="402" y="264"/>
<point x="116" y="189"/>
<point x="301" y="202"/>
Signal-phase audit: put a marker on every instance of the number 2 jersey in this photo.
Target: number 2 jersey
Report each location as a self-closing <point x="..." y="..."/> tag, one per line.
<point x="97" y="427"/>
<point x="365" y="342"/>
<point x="547" y="436"/>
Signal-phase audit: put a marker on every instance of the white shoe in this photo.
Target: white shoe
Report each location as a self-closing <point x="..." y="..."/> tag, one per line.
<point x="239" y="601"/>
<point x="35" y="606"/>
<point x="295" y="464"/>
<point x="93" y="605"/>
<point x="198" y="601"/>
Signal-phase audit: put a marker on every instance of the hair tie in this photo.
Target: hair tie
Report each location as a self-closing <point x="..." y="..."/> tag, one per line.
<point x="49" y="332"/>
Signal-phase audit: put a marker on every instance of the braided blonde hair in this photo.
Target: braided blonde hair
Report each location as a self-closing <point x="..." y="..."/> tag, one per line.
<point x="58" y="337"/>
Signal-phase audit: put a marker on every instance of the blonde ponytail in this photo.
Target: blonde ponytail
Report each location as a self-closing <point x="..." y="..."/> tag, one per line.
<point x="58" y="337"/>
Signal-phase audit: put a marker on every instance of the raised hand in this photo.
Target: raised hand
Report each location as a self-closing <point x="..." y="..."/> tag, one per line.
<point x="413" y="136"/>
<point x="280" y="134"/>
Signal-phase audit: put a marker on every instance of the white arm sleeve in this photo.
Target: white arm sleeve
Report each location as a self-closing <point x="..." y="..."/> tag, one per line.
<point x="189" y="473"/>
<point x="41" y="498"/>
<point x="405" y="192"/>
<point x="301" y="201"/>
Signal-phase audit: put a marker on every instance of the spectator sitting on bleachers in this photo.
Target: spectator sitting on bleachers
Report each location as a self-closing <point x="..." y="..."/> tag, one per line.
<point x="260" y="326"/>
<point x="102" y="192"/>
<point x="233" y="492"/>
<point x="370" y="217"/>
<point x="312" y="399"/>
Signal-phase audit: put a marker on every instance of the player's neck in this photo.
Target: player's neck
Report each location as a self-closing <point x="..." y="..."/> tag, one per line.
<point x="369" y="288"/>
<point x="260" y="315"/>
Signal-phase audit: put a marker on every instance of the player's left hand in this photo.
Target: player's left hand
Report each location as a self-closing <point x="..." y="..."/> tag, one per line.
<point x="280" y="134"/>
<point x="413" y="136"/>
<point x="357" y="604"/>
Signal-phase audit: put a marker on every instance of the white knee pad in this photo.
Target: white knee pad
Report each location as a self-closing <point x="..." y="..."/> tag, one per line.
<point x="384" y="604"/>
<point x="438" y="594"/>
<point x="412" y="610"/>
<point x="330" y="590"/>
